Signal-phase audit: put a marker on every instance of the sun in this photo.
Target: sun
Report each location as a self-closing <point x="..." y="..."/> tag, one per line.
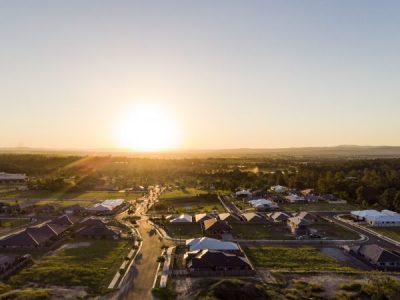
<point x="148" y="128"/>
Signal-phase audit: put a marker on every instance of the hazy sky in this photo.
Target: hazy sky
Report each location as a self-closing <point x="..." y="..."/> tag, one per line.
<point x="230" y="73"/>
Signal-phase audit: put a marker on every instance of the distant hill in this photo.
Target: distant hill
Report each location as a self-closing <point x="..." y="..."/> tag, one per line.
<point x="352" y="151"/>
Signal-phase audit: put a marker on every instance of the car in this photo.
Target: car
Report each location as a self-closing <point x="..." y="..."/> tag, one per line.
<point x="314" y="236"/>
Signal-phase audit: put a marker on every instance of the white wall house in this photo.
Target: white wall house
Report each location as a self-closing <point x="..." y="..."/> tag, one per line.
<point x="279" y="189"/>
<point x="384" y="218"/>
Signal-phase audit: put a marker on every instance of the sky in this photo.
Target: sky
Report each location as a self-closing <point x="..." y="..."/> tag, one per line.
<point x="229" y="74"/>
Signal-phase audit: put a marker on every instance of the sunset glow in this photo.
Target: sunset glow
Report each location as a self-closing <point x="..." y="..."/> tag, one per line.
<point x="147" y="128"/>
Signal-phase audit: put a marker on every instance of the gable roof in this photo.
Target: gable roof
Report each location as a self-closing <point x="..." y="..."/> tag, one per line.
<point x="279" y="216"/>
<point x="98" y="230"/>
<point x="21" y="239"/>
<point x="202" y="217"/>
<point x="215" y="224"/>
<point x="252" y="217"/>
<point x="378" y="254"/>
<point x="183" y="218"/>
<point x="63" y="221"/>
<point x="210" y="244"/>
<point x="42" y="234"/>
<point x="91" y="221"/>
<point x="212" y="259"/>
<point x="229" y="217"/>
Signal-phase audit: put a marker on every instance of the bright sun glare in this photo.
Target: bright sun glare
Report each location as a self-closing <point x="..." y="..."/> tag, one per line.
<point x="147" y="128"/>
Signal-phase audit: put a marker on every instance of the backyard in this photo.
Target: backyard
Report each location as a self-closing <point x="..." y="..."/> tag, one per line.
<point x="184" y="231"/>
<point x="268" y="231"/>
<point x="332" y="231"/>
<point x="13" y="223"/>
<point x="188" y="201"/>
<point x="88" y="263"/>
<point x="293" y="259"/>
<point x="318" y="206"/>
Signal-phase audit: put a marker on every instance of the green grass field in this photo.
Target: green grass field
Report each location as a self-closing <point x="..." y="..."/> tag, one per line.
<point x="188" y="201"/>
<point x="12" y="223"/>
<point x="267" y="231"/>
<point x="332" y="231"/>
<point x="189" y="192"/>
<point x="318" y="206"/>
<point x="293" y="259"/>
<point x="92" y="266"/>
<point x="393" y="232"/>
<point x="184" y="231"/>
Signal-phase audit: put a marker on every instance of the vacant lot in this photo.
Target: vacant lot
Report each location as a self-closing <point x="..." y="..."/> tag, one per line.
<point x="183" y="193"/>
<point x="92" y="266"/>
<point x="293" y="259"/>
<point x="393" y="232"/>
<point x="189" y="201"/>
<point x="267" y="231"/>
<point x="51" y="196"/>
<point x="332" y="231"/>
<point x="184" y="231"/>
<point x="318" y="206"/>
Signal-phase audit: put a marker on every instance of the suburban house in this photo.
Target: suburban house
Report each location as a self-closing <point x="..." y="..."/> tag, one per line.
<point x="253" y="218"/>
<point x="90" y="221"/>
<point x="183" y="218"/>
<point x="243" y="194"/>
<point x="210" y="260"/>
<point x="278" y="217"/>
<point x="294" y="198"/>
<point x="99" y="231"/>
<point x="263" y="204"/>
<point x="377" y="256"/>
<point x="385" y="218"/>
<point x="74" y="209"/>
<point x="279" y="189"/>
<point x="215" y="226"/>
<point x="306" y="216"/>
<point x="297" y="225"/>
<point x="206" y="243"/>
<point x="198" y="218"/>
<point x="37" y="236"/>
<point x="106" y="207"/>
<point x="229" y="217"/>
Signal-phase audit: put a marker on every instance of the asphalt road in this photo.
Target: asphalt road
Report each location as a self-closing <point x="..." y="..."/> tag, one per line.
<point x="141" y="276"/>
<point x="372" y="239"/>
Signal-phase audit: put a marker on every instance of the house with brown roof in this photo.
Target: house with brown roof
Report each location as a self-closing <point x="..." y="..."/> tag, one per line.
<point x="198" y="218"/>
<point x="306" y="216"/>
<point x="377" y="256"/>
<point x="278" y="217"/>
<point x="214" y="226"/>
<point x="19" y="240"/>
<point x="99" y="231"/>
<point x="209" y="260"/>
<point x="75" y="209"/>
<point x="253" y="218"/>
<point x="229" y="217"/>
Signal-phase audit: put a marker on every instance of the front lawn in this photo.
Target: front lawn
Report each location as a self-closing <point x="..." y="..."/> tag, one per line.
<point x="318" y="206"/>
<point x="332" y="231"/>
<point x="184" y="231"/>
<point x="293" y="259"/>
<point x="92" y="265"/>
<point x="268" y="231"/>
<point x="392" y="232"/>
